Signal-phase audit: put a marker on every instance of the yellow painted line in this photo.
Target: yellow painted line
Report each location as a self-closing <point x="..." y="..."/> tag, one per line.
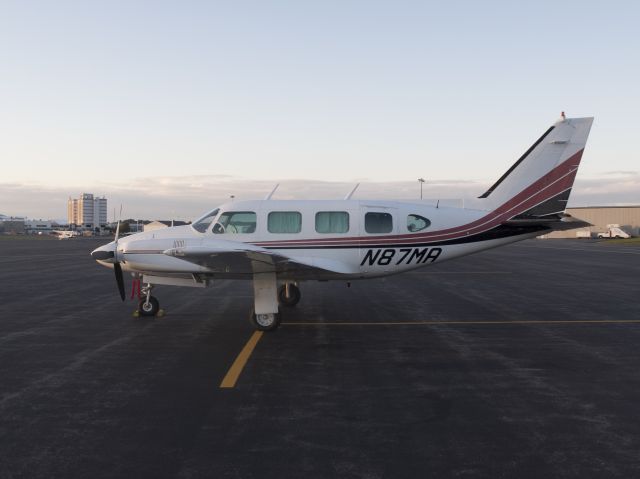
<point x="432" y="323"/>
<point x="238" y="365"/>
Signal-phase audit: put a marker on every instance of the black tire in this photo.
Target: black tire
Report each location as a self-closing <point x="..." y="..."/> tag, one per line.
<point x="294" y="296"/>
<point x="150" y="309"/>
<point x="260" y="324"/>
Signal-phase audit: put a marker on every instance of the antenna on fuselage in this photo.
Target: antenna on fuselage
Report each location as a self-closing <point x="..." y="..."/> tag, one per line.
<point x="268" y="197"/>
<point x="348" y="197"/>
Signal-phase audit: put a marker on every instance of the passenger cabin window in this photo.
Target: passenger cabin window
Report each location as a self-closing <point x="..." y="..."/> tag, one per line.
<point x="378" y="223"/>
<point x="285" y="222"/>
<point x="203" y="223"/>
<point x="332" y="222"/>
<point x="235" y="222"/>
<point x="417" y="223"/>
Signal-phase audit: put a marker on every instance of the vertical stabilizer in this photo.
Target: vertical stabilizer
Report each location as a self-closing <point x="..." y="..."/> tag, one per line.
<point x="539" y="183"/>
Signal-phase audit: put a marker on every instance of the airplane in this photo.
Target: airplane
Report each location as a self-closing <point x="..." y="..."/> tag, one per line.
<point x="278" y="244"/>
<point x="65" y="234"/>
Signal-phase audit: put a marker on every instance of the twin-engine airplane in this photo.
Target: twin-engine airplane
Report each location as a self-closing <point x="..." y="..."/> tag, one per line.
<point x="278" y="244"/>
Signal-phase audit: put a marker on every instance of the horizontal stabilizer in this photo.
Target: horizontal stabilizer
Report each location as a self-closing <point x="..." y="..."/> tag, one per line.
<point x="557" y="223"/>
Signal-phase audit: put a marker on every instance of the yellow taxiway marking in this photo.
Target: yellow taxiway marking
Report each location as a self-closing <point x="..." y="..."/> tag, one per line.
<point x="238" y="365"/>
<point x="435" y="323"/>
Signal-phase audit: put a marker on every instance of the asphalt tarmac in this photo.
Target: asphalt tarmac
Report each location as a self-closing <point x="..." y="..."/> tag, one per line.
<point x="521" y="362"/>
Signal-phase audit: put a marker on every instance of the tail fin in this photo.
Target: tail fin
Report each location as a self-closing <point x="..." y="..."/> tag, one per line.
<point x="539" y="183"/>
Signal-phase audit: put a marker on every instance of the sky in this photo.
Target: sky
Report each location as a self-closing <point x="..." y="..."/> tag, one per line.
<point x="170" y="107"/>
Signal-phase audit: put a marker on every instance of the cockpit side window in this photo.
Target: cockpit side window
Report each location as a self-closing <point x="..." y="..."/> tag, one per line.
<point x="203" y="223"/>
<point x="417" y="223"/>
<point x="235" y="222"/>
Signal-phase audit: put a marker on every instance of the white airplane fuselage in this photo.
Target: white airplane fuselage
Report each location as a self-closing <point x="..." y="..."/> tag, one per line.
<point x="353" y="254"/>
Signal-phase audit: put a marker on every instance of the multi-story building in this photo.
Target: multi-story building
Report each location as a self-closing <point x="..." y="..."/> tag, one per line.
<point x="87" y="211"/>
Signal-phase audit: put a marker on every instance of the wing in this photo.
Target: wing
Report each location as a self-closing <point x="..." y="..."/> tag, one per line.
<point x="227" y="257"/>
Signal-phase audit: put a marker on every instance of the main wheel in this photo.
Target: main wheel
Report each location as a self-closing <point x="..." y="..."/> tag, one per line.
<point x="149" y="309"/>
<point x="265" y="322"/>
<point x="294" y="295"/>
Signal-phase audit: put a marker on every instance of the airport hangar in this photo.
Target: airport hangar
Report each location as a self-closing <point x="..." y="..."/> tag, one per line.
<point x="628" y="217"/>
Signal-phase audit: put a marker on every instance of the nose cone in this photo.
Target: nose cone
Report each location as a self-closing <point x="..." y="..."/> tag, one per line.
<point x="104" y="253"/>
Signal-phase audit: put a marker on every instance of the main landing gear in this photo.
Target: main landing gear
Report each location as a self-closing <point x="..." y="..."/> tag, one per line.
<point x="266" y="314"/>
<point x="268" y="299"/>
<point x="289" y="295"/>
<point x="265" y="321"/>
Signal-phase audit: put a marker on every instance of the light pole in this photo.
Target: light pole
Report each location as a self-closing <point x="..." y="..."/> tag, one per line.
<point x="421" y="181"/>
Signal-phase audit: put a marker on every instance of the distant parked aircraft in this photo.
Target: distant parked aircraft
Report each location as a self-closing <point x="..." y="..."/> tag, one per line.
<point x="65" y="234"/>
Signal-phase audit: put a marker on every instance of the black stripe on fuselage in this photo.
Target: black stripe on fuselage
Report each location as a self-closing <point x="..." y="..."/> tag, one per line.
<point x="515" y="165"/>
<point x="499" y="232"/>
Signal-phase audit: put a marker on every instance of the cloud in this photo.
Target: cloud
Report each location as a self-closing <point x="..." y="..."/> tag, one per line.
<point x="610" y="189"/>
<point x="622" y="173"/>
<point x="187" y="197"/>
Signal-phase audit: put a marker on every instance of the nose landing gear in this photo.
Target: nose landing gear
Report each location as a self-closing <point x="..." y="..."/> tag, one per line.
<point x="149" y="305"/>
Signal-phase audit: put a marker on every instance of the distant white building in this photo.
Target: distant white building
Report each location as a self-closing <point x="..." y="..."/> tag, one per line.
<point x="628" y="217"/>
<point x="87" y="211"/>
<point x="38" y="226"/>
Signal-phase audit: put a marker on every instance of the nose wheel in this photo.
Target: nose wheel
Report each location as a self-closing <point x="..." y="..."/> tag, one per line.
<point x="149" y="306"/>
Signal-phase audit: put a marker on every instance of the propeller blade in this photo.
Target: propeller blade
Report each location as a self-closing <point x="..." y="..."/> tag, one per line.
<point x="119" y="279"/>
<point x="118" y="228"/>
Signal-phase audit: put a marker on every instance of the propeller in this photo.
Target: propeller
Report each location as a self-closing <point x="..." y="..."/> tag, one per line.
<point x="117" y="269"/>
<point x="119" y="279"/>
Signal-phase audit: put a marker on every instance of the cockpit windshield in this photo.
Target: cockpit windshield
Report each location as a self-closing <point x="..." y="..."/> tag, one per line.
<point x="203" y="223"/>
